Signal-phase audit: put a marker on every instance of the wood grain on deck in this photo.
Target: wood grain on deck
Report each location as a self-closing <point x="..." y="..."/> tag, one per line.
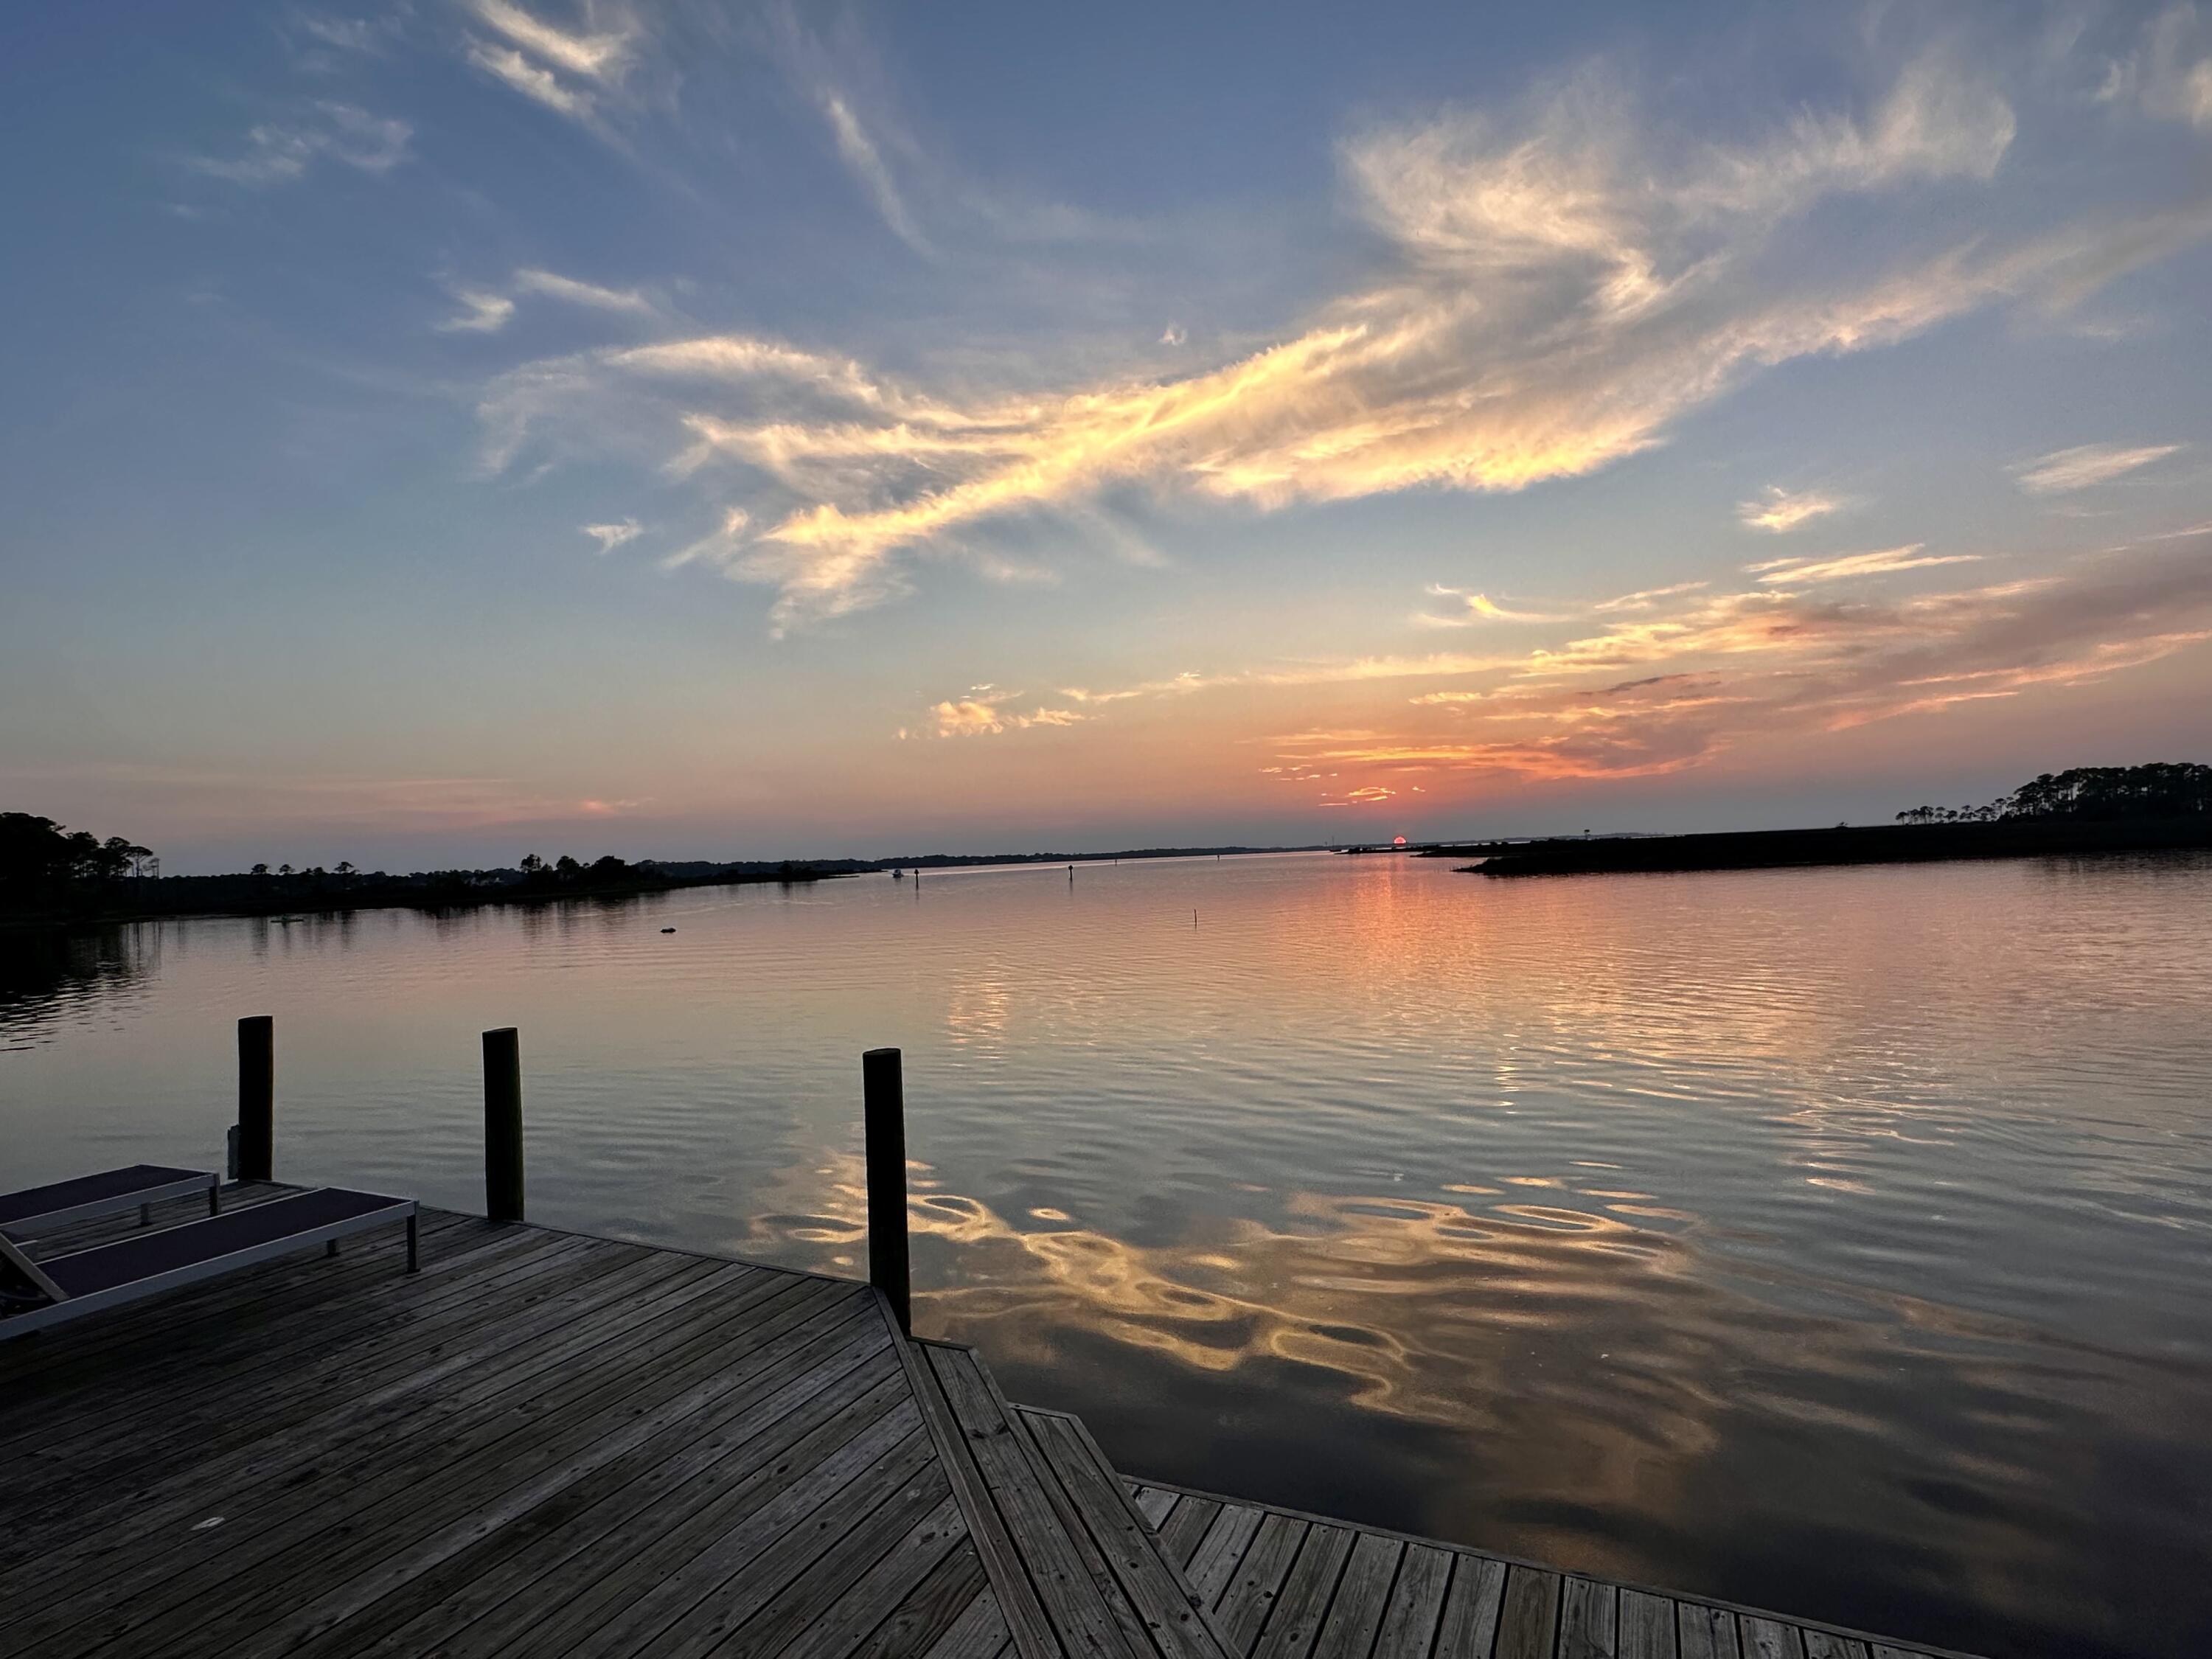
<point x="1292" y="1586"/>
<point x="541" y="1445"/>
<point x="549" y="1444"/>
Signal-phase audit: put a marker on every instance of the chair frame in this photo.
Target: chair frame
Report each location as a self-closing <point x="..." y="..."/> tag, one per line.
<point x="62" y="1306"/>
<point x="198" y="1181"/>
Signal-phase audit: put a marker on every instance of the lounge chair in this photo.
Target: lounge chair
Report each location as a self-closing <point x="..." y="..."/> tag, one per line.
<point x="35" y="1294"/>
<point x="110" y="1193"/>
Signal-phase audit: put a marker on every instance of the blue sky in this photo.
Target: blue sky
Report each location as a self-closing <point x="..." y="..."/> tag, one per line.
<point x="469" y="428"/>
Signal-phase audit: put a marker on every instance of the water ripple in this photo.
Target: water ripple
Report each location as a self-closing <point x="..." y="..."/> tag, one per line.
<point x="1826" y="1239"/>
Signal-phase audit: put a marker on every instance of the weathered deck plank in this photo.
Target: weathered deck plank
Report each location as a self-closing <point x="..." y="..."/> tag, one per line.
<point x="1213" y="1563"/>
<point x="1295" y="1618"/>
<point x="1705" y="1632"/>
<point x="1027" y="1628"/>
<point x="1060" y="1570"/>
<point x="1647" y="1625"/>
<point x="547" y="1444"/>
<point x="1171" y="1613"/>
<point x="1589" y="1612"/>
<point x="1355" y="1615"/>
<point x="1416" y="1606"/>
<point x="1447" y="1602"/>
<point x="585" y="1535"/>
<point x="495" y="1453"/>
<point x="1154" y="1503"/>
<point x="542" y="1444"/>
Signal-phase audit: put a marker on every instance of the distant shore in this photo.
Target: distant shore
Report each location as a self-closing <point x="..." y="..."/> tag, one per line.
<point x="163" y="898"/>
<point x="173" y="897"/>
<point x="1769" y="849"/>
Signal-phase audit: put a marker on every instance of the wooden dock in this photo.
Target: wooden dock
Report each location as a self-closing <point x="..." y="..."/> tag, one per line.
<point x="549" y="1444"/>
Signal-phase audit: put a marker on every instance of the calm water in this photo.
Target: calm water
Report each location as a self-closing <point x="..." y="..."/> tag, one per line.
<point x="1835" y="1241"/>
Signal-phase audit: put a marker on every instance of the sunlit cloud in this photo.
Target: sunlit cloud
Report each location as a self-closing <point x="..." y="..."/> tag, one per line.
<point x="1679" y="684"/>
<point x="720" y="546"/>
<point x="527" y="78"/>
<point x="1644" y="599"/>
<point x="1842" y="567"/>
<point x="1746" y="667"/>
<point x="351" y="35"/>
<point x="279" y="154"/>
<point x="534" y="57"/>
<point x="859" y="153"/>
<point x="1559" y="291"/>
<point x="985" y="715"/>
<point x="487" y="311"/>
<point x="1780" y="510"/>
<point x="480" y="313"/>
<point x="611" y="536"/>
<point x="2085" y="465"/>
<point x="1473" y="608"/>
<point x="2168" y="75"/>
<point x="532" y="81"/>
<point x="558" y="287"/>
<point x="595" y="57"/>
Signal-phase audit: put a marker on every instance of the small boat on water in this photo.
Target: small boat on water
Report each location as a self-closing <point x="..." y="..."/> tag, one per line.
<point x="898" y="875"/>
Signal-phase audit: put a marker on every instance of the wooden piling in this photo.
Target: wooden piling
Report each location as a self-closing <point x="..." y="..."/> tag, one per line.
<point x="503" y="1078"/>
<point x="883" y="1094"/>
<point x="256" y="1097"/>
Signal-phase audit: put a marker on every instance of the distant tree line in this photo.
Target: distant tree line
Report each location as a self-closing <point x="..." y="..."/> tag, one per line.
<point x="51" y="876"/>
<point x="42" y="863"/>
<point x="2161" y="789"/>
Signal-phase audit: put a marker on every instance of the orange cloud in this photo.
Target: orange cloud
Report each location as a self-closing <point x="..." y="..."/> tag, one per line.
<point x="1841" y="567"/>
<point x="1780" y="510"/>
<point x="976" y="716"/>
<point x="1554" y="297"/>
<point x="1712" y="671"/>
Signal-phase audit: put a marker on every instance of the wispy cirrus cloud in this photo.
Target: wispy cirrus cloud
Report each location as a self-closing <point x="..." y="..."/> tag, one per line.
<point x="1473" y="608"/>
<point x="487" y="310"/>
<point x="865" y="162"/>
<point x="323" y="42"/>
<point x="592" y="57"/>
<point x="2086" y="466"/>
<point x="2168" y="73"/>
<point x="565" y="71"/>
<point x="719" y="545"/>
<point x="1680" y="683"/>
<point x="1644" y="599"/>
<point x="1555" y="293"/>
<point x="482" y="312"/>
<point x="1832" y="567"/>
<point x="533" y="81"/>
<point x="281" y="152"/>
<point x="1743" y="668"/>
<point x="555" y="286"/>
<point x="1781" y="510"/>
<point x="613" y="536"/>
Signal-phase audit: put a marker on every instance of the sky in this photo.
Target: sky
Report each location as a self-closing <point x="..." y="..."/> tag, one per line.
<point x="468" y="428"/>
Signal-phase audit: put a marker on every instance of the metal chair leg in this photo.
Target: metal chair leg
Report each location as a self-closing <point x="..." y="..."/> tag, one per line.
<point x="411" y="1263"/>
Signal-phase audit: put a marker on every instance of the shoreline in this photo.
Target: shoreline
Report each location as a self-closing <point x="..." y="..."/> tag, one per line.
<point x="238" y="895"/>
<point x="1781" y="849"/>
<point x="337" y="902"/>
